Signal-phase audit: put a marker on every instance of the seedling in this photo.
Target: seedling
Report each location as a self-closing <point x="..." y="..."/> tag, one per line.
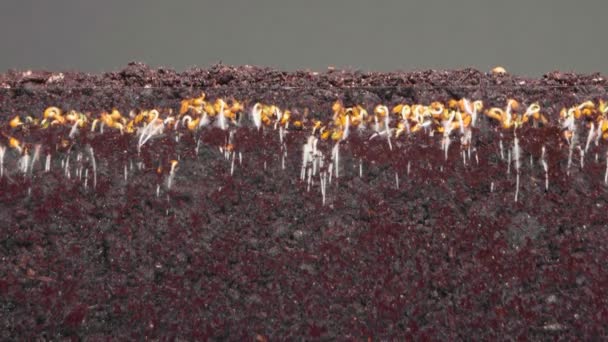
<point x="153" y="128"/>
<point x="221" y="120"/>
<point x="447" y="129"/>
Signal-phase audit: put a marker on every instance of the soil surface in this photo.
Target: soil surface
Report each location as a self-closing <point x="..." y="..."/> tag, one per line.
<point x="408" y="244"/>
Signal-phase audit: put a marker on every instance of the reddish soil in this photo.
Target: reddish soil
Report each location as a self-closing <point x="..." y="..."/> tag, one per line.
<point x="446" y="255"/>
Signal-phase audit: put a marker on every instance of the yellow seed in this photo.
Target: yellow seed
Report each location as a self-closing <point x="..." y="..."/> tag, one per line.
<point x="478" y="105"/>
<point x="209" y="109"/>
<point x="336" y="135"/>
<point x="219" y="103"/>
<point x="16" y="121"/>
<point x="337" y="107"/>
<point x="129" y="127"/>
<point x="185" y="105"/>
<point x="498" y="70"/>
<point x="603" y="107"/>
<point x="236" y="107"/>
<point x="51" y="112"/>
<point x="513" y="103"/>
<point x="587" y="104"/>
<point x="14" y="143"/>
<point x="72" y="116"/>
<point x="325" y="135"/>
<point x="397" y="109"/>
<point x="381" y="111"/>
<point x="59" y="120"/>
<point x="192" y="124"/>
<point x="115" y="115"/>
<point x="495" y="113"/>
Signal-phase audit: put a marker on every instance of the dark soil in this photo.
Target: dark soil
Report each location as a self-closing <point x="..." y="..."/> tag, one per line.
<point x="254" y="255"/>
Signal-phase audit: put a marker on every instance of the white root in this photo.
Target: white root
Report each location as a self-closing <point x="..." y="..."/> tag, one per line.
<point x="74" y="129"/>
<point x="517" y="157"/>
<point x="35" y="157"/>
<point x="323" y="181"/>
<point x="2" y="152"/>
<point x="545" y="168"/>
<point x="572" y="142"/>
<point x="606" y="174"/>
<point x="360" y="168"/>
<point x="232" y="165"/>
<point x="447" y="129"/>
<point x="336" y="158"/>
<point x="153" y="128"/>
<point x="47" y="163"/>
<point x="171" y="174"/>
<point x="24" y="163"/>
<point x="94" y="166"/>
<point x="221" y="118"/>
<point x="86" y="178"/>
<point x="590" y="136"/>
<point x="256" y="115"/>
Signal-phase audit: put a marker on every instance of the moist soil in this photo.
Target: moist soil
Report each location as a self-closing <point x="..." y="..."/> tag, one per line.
<point x="447" y="254"/>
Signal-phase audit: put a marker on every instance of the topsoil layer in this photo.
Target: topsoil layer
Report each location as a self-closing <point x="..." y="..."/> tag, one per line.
<point x="407" y="245"/>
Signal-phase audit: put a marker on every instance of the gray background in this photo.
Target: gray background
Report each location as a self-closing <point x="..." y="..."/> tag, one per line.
<point x="529" y="37"/>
